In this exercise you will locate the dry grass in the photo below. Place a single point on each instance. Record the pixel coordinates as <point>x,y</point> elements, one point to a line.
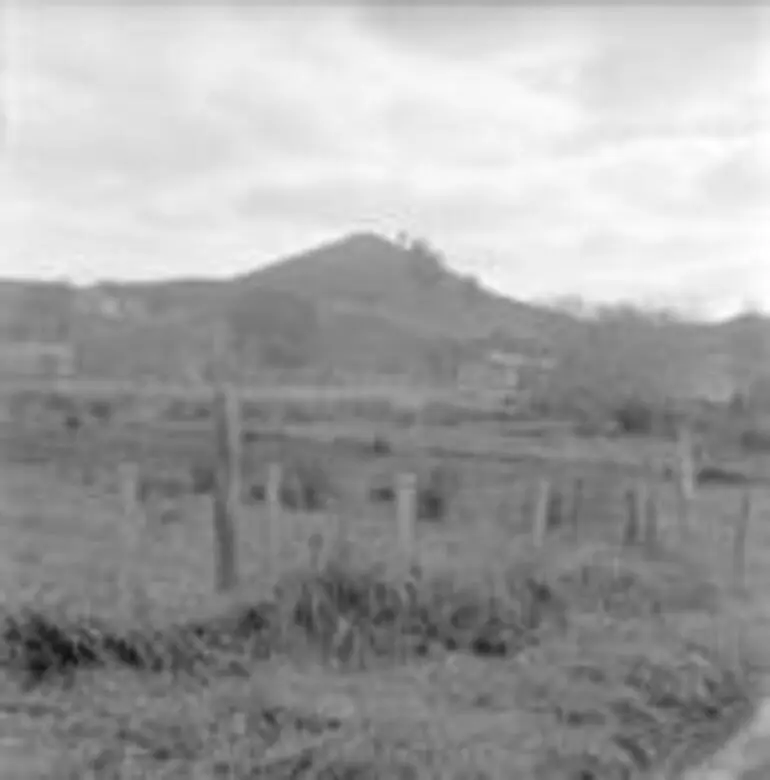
<point>490,659</point>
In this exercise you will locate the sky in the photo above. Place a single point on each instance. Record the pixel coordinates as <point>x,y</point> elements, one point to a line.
<point>609,153</point>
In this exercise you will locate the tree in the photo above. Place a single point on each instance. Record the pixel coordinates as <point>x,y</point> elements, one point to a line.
<point>427,264</point>
<point>45,312</point>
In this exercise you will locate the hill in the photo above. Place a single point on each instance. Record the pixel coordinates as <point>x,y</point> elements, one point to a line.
<point>365,305</point>
<point>358,305</point>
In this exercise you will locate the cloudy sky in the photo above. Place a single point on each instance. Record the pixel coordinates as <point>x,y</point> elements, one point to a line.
<point>607,153</point>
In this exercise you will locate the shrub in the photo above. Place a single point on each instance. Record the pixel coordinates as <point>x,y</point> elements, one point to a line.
<point>160,483</point>
<point>720,475</point>
<point>203,478</point>
<point>44,645</point>
<point>381,445</point>
<point>382,492</point>
<point>101,410</point>
<point>755,440</point>
<point>635,417</point>
<point>436,490</point>
<point>605,685</point>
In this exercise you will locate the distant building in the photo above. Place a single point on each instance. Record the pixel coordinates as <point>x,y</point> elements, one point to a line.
<point>36,360</point>
<point>508,372</point>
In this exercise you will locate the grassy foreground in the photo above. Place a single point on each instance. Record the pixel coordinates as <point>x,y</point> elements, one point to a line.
<point>495,661</point>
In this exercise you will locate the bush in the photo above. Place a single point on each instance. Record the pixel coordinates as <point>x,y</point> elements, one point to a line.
<point>382,492</point>
<point>381,445</point>
<point>635,417</point>
<point>203,478</point>
<point>101,411</point>
<point>359,614</point>
<point>755,440</point>
<point>437,488</point>
<point>604,682</point>
<point>44,645</point>
<point>720,475</point>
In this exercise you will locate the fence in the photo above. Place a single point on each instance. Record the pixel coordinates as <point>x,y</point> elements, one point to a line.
<point>549,506</point>
<point>550,502</point>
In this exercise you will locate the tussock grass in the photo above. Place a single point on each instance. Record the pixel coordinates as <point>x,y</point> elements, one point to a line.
<point>572,661</point>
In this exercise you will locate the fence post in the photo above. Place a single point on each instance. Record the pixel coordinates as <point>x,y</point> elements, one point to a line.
<point>577,504</point>
<point>273,527</point>
<point>632,526</point>
<point>406,508</point>
<point>685,480</point>
<point>540,519</point>
<point>133,530</point>
<point>740,535</point>
<point>129,489</point>
<point>651,516</point>
<point>227,491</point>
<point>686,470</point>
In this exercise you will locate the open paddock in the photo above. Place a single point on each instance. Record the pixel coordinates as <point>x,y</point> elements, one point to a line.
<point>69,550</point>
<point>557,615</point>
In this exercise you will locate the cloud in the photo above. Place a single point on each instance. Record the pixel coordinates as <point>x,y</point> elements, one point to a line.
<point>555,151</point>
<point>653,62</point>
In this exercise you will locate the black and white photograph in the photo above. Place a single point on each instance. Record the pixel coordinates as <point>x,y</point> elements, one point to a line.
<point>384,390</point>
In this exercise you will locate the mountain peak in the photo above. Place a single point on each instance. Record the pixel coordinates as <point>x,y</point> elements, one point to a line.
<point>359,266</point>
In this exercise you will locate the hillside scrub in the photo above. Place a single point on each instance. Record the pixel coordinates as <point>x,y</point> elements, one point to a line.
<point>600,655</point>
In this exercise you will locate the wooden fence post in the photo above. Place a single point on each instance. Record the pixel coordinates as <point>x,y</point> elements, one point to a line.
<point>633,523</point>
<point>685,480</point>
<point>406,508</point>
<point>686,465</point>
<point>273,527</point>
<point>133,532</point>
<point>540,519</point>
<point>577,504</point>
<point>227,491</point>
<point>740,535</point>
<point>651,516</point>
<point>129,489</point>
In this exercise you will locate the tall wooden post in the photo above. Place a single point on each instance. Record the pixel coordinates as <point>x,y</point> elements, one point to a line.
<point>686,465</point>
<point>227,492</point>
<point>273,527</point>
<point>685,480</point>
<point>133,534</point>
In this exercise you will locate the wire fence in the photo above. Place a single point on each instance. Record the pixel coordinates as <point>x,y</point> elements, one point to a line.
<point>538,490</point>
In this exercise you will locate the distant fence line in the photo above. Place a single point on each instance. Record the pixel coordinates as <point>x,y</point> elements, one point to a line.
<point>640,525</point>
<point>407,396</point>
<point>451,445</point>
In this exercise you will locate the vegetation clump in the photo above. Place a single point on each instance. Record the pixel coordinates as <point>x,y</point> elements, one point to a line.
<point>597,647</point>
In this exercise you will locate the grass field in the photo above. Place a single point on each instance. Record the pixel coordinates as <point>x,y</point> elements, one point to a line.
<point>491,659</point>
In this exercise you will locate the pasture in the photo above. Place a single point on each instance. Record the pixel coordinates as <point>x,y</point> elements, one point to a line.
<point>479,651</point>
